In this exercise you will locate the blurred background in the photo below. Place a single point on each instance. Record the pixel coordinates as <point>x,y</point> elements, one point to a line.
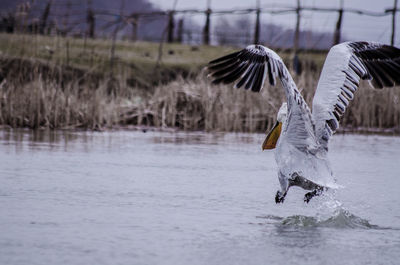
<point>210,22</point>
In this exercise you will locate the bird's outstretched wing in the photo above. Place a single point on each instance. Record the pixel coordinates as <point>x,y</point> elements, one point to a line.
<point>345,65</point>
<point>249,68</point>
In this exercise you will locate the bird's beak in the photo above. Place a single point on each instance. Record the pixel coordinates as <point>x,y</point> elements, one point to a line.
<point>272,137</point>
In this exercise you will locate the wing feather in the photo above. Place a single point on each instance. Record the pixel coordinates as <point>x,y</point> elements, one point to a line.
<point>345,65</point>
<point>225,58</point>
<point>243,80</point>
<point>250,68</point>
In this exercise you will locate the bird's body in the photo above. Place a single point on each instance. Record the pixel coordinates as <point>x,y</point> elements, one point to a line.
<point>300,136</point>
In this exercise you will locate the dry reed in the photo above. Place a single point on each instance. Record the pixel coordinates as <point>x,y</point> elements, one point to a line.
<point>42,93</point>
<point>186,104</point>
<point>45,99</point>
<point>197,105</point>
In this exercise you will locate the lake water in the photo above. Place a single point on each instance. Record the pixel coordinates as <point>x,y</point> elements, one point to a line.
<point>128,197</point>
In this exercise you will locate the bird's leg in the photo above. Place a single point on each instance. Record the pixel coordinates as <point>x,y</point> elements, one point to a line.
<point>316,190</point>
<point>280,195</point>
<point>309,195</point>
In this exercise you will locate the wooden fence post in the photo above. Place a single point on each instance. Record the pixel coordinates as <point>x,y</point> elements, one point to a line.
<point>206,31</point>
<point>135,22</point>
<point>297,32</point>
<point>90,19</point>
<point>180,31</point>
<point>112,50</point>
<point>296,65</point>
<point>114,37</point>
<point>45,16</point>
<point>393,22</point>
<point>65,29</point>
<point>337,33</point>
<point>257,26</point>
<point>170,37</point>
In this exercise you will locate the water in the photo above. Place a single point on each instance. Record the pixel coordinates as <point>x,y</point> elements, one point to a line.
<point>175,198</point>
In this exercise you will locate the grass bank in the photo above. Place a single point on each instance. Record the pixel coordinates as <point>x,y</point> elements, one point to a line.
<point>140,63</point>
<point>59,83</point>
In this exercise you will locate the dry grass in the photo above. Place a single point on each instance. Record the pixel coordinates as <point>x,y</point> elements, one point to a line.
<point>186,104</point>
<point>46,100</point>
<point>52,90</point>
<point>197,105</point>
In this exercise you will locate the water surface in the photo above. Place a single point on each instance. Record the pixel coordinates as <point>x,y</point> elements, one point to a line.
<point>128,197</point>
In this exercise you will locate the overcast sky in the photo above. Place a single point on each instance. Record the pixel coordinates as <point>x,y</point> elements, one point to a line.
<point>354,27</point>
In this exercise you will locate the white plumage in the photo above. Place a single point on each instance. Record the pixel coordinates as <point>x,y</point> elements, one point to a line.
<point>301,151</point>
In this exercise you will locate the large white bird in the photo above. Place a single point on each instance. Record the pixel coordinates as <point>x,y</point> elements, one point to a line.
<point>299,136</point>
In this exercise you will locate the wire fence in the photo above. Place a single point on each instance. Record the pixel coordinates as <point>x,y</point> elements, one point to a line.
<point>79,18</point>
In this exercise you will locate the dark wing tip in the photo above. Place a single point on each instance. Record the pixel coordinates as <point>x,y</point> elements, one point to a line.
<point>224,58</point>
<point>382,62</point>
<point>247,66</point>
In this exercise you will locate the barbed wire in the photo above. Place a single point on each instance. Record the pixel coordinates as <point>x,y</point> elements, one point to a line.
<point>66,10</point>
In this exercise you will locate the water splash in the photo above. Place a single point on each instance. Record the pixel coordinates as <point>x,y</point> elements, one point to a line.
<point>341,219</point>
<point>329,213</point>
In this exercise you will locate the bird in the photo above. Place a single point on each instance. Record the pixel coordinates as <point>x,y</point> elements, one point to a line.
<point>300,136</point>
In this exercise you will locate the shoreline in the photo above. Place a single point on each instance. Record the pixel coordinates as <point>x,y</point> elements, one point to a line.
<point>395,131</point>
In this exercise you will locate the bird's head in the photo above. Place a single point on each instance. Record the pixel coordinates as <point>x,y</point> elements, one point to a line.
<point>273,136</point>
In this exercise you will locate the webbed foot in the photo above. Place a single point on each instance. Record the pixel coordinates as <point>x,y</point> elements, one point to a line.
<point>309,195</point>
<point>279,197</point>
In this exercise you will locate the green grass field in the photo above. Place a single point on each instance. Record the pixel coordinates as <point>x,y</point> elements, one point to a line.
<point>138,60</point>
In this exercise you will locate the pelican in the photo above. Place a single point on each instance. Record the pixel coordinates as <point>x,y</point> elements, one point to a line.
<point>300,137</point>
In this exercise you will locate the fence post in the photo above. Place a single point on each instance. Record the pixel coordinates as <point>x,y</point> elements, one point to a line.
<point>393,22</point>
<point>337,33</point>
<point>113,44</point>
<point>180,31</point>
<point>206,31</point>
<point>296,65</point>
<point>170,37</point>
<point>135,22</point>
<point>114,37</point>
<point>90,20</point>
<point>65,29</point>
<point>297,32</point>
<point>45,16</point>
<point>257,26</point>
